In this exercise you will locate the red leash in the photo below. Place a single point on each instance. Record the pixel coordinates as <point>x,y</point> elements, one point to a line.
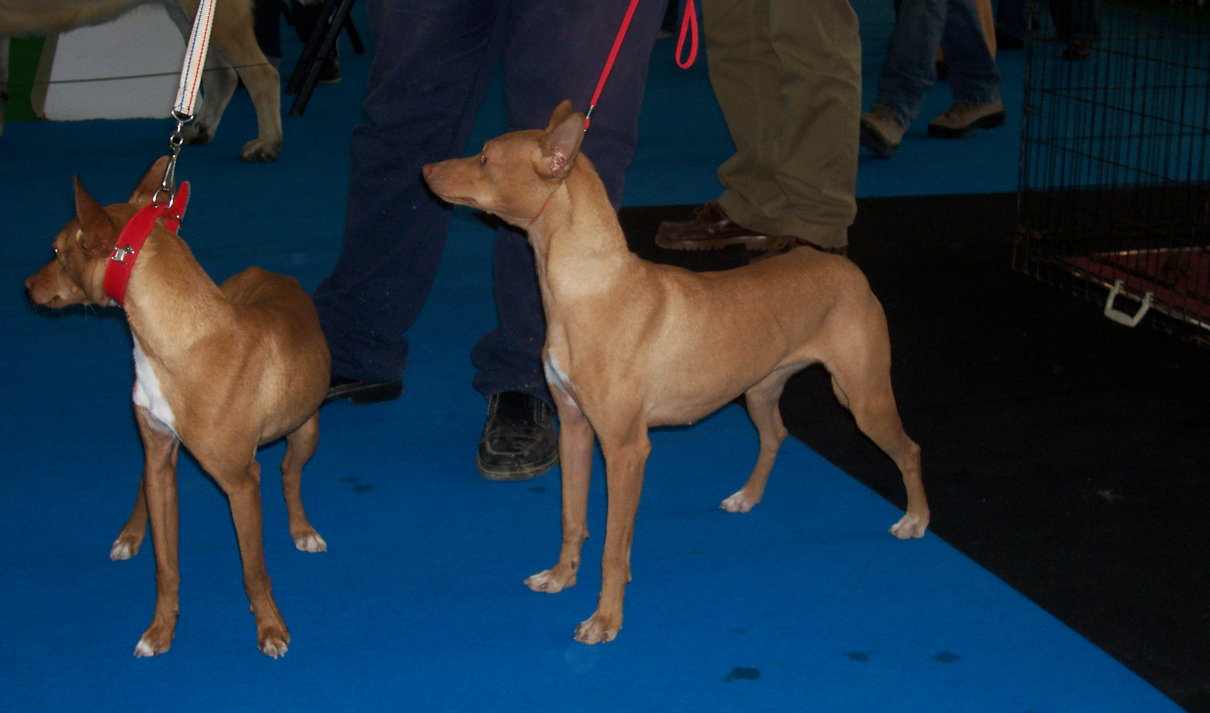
<point>135,234</point>
<point>688,27</point>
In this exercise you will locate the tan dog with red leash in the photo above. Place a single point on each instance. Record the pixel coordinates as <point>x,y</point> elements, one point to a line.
<point>220,369</point>
<point>631,344</point>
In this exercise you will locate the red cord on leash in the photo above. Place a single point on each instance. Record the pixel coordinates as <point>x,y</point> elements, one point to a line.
<point>688,27</point>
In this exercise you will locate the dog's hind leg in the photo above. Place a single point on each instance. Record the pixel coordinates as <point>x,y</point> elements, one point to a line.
<point>241,483</point>
<point>862,381</point>
<point>160,449</point>
<point>131,536</point>
<point>762,401</point>
<point>300,445</point>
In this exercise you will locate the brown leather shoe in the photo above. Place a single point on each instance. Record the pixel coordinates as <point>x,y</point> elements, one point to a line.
<point>712,229</point>
<point>842,250</point>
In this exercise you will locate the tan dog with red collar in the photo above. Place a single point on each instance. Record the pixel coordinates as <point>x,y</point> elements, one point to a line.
<point>631,344</point>
<point>220,369</point>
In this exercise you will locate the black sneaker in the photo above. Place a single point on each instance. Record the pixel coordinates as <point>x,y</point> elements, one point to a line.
<point>363,392</point>
<point>519,439</point>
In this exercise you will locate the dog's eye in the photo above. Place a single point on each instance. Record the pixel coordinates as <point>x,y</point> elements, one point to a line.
<point>55,250</point>
<point>483,158</point>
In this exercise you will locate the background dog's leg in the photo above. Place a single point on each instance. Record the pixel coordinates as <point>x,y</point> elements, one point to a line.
<point>233,51</point>
<point>234,38</point>
<point>867,392</point>
<point>763,408</point>
<point>131,537</point>
<point>3,80</point>
<point>218,82</point>
<point>160,450</point>
<point>300,445</point>
<point>218,86</point>
<point>575,459</point>
<point>625,459</point>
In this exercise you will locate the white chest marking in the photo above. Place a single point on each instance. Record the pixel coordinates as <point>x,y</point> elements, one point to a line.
<point>555,375</point>
<point>147,391</point>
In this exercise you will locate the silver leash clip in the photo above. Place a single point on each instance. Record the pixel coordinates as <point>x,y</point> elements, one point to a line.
<point>166,193</point>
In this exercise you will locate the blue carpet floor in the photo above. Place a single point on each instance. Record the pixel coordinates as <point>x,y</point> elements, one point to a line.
<point>805,604</point>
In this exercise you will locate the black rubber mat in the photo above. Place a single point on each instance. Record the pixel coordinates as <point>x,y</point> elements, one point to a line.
<point>1062,452</point>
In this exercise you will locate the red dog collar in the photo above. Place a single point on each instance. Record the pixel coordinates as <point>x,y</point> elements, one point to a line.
<point>134,234</point>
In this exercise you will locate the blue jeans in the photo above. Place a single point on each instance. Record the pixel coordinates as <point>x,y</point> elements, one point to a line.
<point>432,63</point>
<point>921,27</point>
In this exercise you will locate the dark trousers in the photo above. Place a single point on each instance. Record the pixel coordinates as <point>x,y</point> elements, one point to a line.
<point>1073,19</point>
<point>433,60</point>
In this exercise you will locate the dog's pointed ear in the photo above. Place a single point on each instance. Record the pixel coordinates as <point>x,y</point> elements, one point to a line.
<point>559,114</point>
<point>149,184</point>
<point>561,142</point>
<point>96,229</point>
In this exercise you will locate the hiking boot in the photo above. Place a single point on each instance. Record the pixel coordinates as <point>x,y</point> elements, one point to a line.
<point>961,117</point>
<point>881,132</point>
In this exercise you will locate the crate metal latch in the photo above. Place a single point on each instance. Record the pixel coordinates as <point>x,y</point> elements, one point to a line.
<point>1121,317</point>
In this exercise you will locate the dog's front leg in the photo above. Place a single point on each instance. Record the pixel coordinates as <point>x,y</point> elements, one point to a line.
<point>160,449</point>
<point>575,458</point>
<point>236,42</point>
<point>625,460</point>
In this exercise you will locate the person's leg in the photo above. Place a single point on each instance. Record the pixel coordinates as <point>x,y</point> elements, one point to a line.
<point>974,76</point>
<point>554,50</point>
<point>907,72</point>
<point>1010,24</point>
<point>814,156</point>
<point>746,74</point>
<point>1077,22</point>
<point>428,75</point>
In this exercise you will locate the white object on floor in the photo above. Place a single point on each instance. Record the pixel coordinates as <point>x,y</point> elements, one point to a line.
<point>135,61</point>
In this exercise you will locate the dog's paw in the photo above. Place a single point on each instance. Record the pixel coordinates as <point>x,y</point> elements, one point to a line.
<point>598,629</point>
<point>739,501</point>
<point>310,542</point>
<point>197,133</point>
<point>553,580</point>
<point>273,641</point>
<point>155,641</point>
<point>125,547</point>
<point>910,527</point>
<point>260,151</point>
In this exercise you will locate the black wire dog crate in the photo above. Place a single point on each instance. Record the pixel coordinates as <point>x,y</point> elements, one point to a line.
<point>1114,185</point>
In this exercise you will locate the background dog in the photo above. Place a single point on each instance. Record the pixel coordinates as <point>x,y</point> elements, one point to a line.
<point>234,55</point>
